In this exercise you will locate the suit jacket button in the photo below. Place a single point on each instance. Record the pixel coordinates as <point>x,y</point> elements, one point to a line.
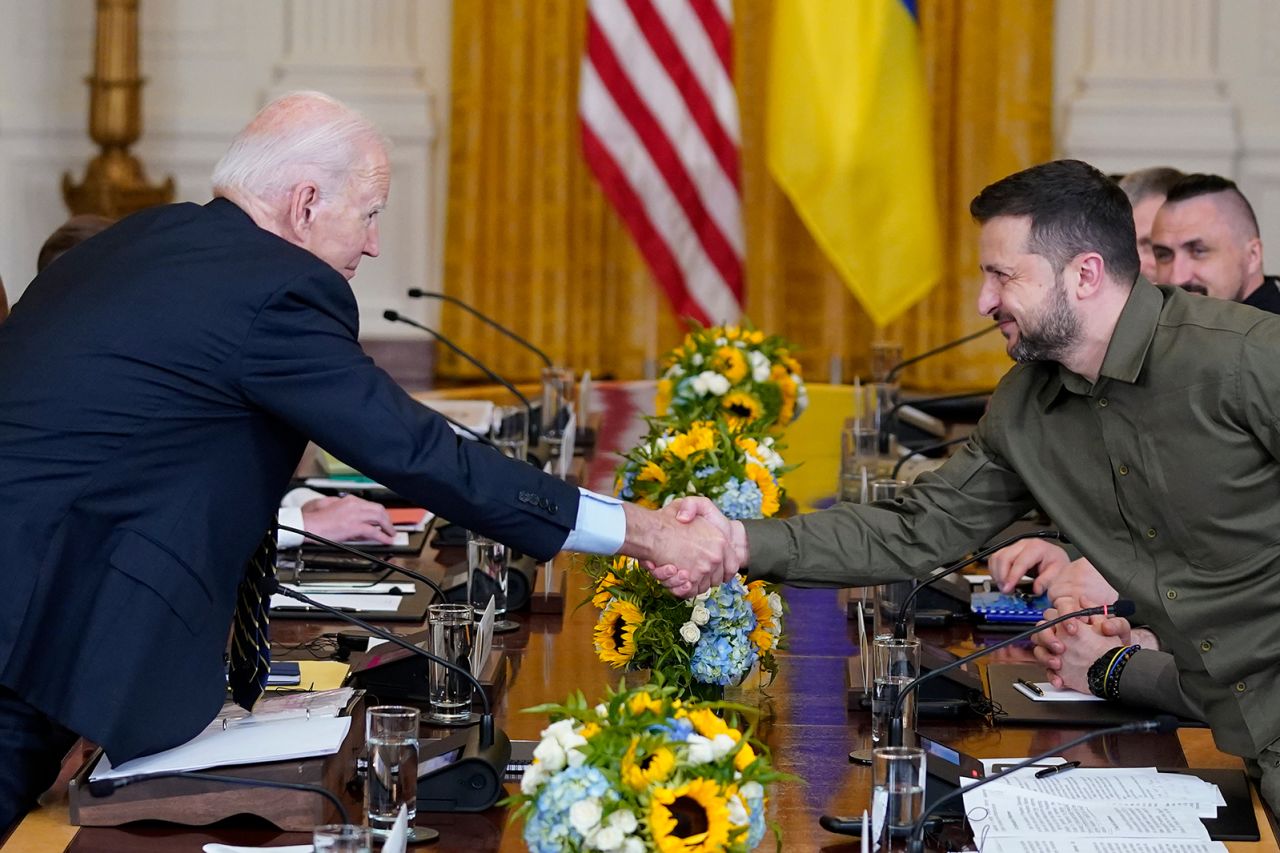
<point>553,508</point>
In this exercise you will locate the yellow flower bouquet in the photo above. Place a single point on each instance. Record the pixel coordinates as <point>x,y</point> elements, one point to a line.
<point>741,471</point>
<point>699,646</point>
<point>644,771</point>
<point>741,374</point>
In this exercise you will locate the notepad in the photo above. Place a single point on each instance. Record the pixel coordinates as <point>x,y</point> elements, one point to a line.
<point>1056,694</point>
<point>342,601</point>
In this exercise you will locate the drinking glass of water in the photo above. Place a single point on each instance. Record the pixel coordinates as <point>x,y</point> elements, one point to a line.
<point>897,795</point>
<point>509,430</point>
<point>391,743</point>
<point>884,694</point>
<point>341,838</point>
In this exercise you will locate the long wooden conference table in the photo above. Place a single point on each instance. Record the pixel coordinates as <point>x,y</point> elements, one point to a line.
<point>803,719</point>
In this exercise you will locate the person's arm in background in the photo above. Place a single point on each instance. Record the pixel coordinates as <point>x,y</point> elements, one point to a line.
<point>342,519</point>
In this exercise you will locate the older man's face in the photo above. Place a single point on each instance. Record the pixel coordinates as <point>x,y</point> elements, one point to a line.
<point>1201,249</point>
<point>1144,216</point>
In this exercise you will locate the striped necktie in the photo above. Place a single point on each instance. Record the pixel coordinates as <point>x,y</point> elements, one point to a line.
<point>250,640</point>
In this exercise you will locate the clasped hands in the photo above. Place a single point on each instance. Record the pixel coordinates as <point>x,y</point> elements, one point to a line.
<point>689,545</point>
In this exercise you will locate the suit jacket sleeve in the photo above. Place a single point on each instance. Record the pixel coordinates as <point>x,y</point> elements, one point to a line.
<point>1150,679</point>
<point>301,362</point>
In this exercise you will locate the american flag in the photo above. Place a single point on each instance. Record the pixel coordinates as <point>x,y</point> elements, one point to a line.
<point>660,131</point>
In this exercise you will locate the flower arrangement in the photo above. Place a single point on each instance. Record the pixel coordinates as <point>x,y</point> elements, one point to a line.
<point>643,771</point>
<point>742,374</point>
<point>699,646</point>
<point>739,470</point>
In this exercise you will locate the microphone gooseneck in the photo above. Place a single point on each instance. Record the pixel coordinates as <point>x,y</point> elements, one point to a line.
<point>377,561</point>
<point>105,787</point>
<point>895,721</point>
<point>900,624</point>
<point>897,368</point>
<point>397,317</point>
<point>419,293</point>
<point>1162,724</point>
<point>486,719</point>
<point>921,451</point>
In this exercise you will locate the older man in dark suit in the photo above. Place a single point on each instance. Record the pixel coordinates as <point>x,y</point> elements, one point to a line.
<point>157,386</point>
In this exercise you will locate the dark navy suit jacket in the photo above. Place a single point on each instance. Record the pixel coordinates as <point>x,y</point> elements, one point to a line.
<point>157,387</point>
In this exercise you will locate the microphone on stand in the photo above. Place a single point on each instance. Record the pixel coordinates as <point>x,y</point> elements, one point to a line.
<point>418,293</point>
<point>1162,724</point>
<point>900,624</point>
<point>105,787</point>
<point>892,373</point>
<point>397,317</point>
<point>486,718</point>
<point>1123,608</point>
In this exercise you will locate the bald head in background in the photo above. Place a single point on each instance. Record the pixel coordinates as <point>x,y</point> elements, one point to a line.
<point>1146,189</point>
<point>1205,239</point>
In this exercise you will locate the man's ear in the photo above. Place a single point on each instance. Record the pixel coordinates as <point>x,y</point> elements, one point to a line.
<point>1090,269</point>
<point>1253,255</point>
<point>303,200</point>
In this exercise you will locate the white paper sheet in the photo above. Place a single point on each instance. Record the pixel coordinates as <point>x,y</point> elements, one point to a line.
<point>354,603</point>
<point>1056,694</point>
<point>483,639</point>
<point>1088,845</point>
<point>215,747</point>
<point>999,811</point>
<point>352,588</point>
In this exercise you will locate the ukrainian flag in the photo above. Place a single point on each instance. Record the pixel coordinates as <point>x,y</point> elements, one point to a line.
<point>848,137</point>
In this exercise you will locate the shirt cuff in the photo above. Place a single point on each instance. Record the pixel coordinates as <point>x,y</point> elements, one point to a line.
<point>298,497</point>
<point>601,526</point>
<point>292,516</point>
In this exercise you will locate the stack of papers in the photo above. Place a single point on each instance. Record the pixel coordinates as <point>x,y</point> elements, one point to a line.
<point>1089,810</point>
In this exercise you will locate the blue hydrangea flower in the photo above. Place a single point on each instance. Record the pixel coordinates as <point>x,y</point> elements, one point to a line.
<point>725,653</point>
<point>705,471</point>
<point>740,499</point>
<point>755,809</point>
<point>628,478</point>
<point>677,730</point>
<point>548,829</point>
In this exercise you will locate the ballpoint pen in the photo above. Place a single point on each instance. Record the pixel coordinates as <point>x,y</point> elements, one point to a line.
<point>1057,768</point>
<point>1034,688</point>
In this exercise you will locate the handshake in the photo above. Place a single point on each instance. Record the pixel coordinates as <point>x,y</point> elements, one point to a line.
<point>688,545</point>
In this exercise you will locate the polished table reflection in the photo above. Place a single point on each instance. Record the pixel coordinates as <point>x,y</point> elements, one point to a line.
<point>803,718</point>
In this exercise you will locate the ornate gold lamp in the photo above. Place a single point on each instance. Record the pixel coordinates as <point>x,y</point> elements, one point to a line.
<point>115,184</point>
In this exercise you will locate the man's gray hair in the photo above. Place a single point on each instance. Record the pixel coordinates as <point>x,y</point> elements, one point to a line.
<point>299,136</point>
<point>1145,183</point>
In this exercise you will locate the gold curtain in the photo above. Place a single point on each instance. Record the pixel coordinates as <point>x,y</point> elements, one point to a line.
<point>531,239</point>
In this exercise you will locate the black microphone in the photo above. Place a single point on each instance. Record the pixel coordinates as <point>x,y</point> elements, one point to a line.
<point>900,624</point>
<point>1122,608</point>
<point>892,373</point>
<point>105,787</point>
<point>486,718</point>
<point>1162,724</point>
<point>397,317</point>
<point>418,293</point>
<point>364,555</point>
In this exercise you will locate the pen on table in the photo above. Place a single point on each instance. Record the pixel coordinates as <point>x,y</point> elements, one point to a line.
<point>1034,688</point>
<point>276,716</point>
<point>1057,768</point>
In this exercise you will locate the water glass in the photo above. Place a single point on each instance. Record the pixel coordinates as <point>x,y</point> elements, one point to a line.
<point>885,488</point>
<point>885,690</point>
<point>341,838</point>
<point>557,403</point>
<point>509,430</point>
<point>889,602</point>
<point>391,743</point>
<point>449,692</point>
<point>897,795</point>
<point>486,575</point>
<point>897,657</point>
<point>885,356</point>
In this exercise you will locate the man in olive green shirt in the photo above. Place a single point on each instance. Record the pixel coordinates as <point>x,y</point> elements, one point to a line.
<point>1143,420</point>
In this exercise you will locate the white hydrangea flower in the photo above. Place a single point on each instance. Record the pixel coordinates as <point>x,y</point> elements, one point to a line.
<point>575,757</point>
<point>759,365</point>
<point>721,341</point>
<point>668,499</point>
<point>722,745</point>
<point>608,838</point>
<point>633,845</point>
<point>752,791</point>
<point>719,384</point>
<point>738,811</point>
<point>532,778</point>
<point>551,754</point>
<point>602,710</point>
<point>696,359</point>
<point>700,751</point>
<point>625,820</point>
<point>584,815</point>
<point>689,632</point>
<point>701,615</point>
<point>675,371</point>
<point>775,603</point>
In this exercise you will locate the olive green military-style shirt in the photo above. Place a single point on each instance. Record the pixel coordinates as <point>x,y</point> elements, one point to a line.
<point>1163,473</point>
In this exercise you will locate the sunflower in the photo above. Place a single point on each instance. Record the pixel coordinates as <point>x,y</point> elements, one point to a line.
<point>741,408</point>
<point>652,472</point>
<point>615,633</point>
<point>770,498</point>
<point>731,362</point>
<point>696,440</point>
<point>693,818</point>
<point>709,724</point>
<point>639,771</point>
<point>642,701</point>
<point>743,759</point>
<point>603,590</point>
